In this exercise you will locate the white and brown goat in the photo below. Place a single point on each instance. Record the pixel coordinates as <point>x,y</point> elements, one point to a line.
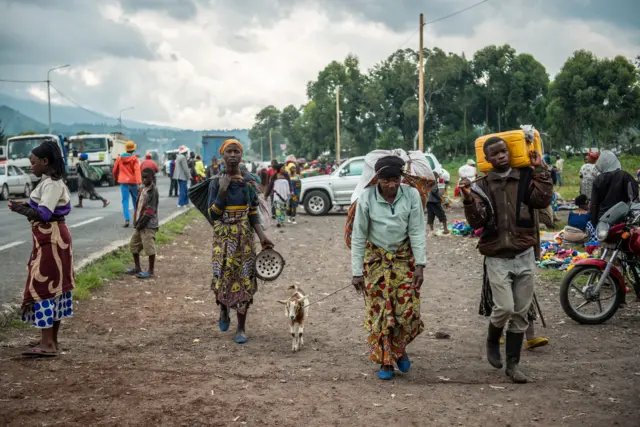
<point>296,308</point>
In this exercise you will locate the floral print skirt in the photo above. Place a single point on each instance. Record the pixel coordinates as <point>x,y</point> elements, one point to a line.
<point>392,303</point>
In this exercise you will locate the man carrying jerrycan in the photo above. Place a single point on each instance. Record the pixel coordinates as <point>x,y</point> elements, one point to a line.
<point>502,204</point>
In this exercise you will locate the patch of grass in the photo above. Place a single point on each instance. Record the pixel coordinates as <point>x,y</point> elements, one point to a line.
<point>114,265</point>
<point>551,275</point>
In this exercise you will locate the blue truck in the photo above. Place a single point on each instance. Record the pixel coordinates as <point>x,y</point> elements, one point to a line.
<point>211,147</point>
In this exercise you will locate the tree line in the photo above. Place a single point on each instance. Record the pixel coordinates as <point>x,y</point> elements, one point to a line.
<point>592,102</point>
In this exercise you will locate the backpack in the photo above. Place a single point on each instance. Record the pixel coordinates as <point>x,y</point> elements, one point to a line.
<point>423,185</point>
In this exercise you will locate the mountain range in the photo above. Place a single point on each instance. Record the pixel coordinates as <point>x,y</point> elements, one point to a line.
<point>20,115</point>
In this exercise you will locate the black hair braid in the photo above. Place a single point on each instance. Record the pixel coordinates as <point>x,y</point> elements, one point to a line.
<point>51,151</point>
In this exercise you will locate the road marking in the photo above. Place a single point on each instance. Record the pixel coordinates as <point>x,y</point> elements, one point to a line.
<point>10,245</point>
<point>89,221</point>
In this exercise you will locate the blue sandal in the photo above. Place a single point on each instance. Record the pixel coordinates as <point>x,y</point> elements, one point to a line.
<point>404,364</point>
<point>239,339</point>
<point>224,324</point>
<point>144,275</point>
<point>385,375</point>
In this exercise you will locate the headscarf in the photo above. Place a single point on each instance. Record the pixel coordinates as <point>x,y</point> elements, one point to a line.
<point>290,159</point>
<point>608,162</point>
<point>50,150</point>
<point>83,156</point>
<point>389,167</point>
<point>471,162</point>
<point>229,142</point>
<point>292,168</point>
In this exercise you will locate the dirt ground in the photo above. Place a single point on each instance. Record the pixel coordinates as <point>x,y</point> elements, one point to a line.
<point>149,353</point>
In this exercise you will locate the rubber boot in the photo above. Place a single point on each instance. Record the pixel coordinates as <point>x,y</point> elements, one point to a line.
<point>493,346</point>
<point>513,347</point>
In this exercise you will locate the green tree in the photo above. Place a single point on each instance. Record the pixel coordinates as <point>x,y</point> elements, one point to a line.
<point>267,121</point>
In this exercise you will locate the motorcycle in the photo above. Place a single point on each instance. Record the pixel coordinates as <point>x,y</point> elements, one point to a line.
<point>599,283</point>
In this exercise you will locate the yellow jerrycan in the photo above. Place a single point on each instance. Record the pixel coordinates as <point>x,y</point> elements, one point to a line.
<point>519,142</point>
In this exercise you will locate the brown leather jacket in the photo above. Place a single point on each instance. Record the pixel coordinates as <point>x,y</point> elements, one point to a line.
<point>505,208</point>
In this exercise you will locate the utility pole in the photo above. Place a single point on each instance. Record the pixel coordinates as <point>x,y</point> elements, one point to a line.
<point>421,91</point>
<point>338,125</point>
<point>261,150</point>
<point>270,145</point>
<point>49,91</point>
<point>120,117</point>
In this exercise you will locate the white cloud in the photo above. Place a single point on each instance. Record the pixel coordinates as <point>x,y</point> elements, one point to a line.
<point>212,72</point>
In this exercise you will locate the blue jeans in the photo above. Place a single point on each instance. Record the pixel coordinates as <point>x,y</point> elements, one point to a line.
<point>183,197</point>
<point>128,190</point>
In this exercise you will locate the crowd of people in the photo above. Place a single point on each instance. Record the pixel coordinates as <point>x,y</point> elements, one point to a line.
<point>388,241</point>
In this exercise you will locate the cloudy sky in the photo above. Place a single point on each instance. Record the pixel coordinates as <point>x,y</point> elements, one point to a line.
<point>215,63</point>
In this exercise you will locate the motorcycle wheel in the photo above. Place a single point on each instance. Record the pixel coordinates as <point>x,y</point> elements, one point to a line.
<point>571,285</point>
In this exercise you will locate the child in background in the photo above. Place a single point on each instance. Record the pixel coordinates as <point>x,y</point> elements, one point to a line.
<point>145,221</point>
<point>434,208</point>
<point>280,194</point>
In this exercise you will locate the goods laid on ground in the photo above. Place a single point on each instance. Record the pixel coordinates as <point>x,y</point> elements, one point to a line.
<point>519,142</point>
<point>554,256</point>
<point>461,227</point>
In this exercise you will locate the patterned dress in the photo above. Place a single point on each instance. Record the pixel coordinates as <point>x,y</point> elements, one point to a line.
<point>234,253</point>
<point>296,189</point>
<point>392,304</point>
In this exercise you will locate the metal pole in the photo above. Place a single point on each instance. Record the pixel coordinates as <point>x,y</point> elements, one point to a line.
<point>421,90</point>
<point>49,91</point>
<point>338,125</point>
<point>261,150</point>
<point>120,117</point>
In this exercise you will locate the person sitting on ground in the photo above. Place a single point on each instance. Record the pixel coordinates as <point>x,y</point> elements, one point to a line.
<point>148,163</point>
<point>434,208</point>
<point>145,222</point>
<point>503,204</point>
<point>579,228</point>
<point>388,256</point>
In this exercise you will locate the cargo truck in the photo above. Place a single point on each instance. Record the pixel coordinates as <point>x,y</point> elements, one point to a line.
<point>102,151</point>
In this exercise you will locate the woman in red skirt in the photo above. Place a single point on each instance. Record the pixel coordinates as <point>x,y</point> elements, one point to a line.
<point>48,291</point>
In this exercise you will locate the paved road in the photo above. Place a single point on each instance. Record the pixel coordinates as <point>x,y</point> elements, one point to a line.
<point>92,229</point>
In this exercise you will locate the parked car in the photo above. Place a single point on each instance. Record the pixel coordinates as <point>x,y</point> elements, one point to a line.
<point>436,167</point>
<point>13,181</point>
<point>323,192</point>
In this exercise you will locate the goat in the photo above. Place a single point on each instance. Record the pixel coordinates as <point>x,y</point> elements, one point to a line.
<point>296,308</point>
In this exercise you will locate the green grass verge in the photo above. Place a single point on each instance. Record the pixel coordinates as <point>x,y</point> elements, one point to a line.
<point>113,265</point>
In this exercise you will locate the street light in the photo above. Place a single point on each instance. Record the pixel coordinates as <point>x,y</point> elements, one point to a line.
<point>120,117</point>
<point>49,90</point>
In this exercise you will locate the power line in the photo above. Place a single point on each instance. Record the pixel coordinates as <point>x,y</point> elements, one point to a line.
<point>102,116</point>
<point>455,13</point>
<point>22,81</point>
<point>442,18</point>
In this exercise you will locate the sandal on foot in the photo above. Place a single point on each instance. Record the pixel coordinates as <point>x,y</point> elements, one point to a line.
<point>224,324</point>
<point>106,203</point>
<point>131,271</point>
<point>126,224</point>
<point>239,339</point>
<point>144,275</point>
<point>404,364</point>
<point>385,375</point>
<point>38,352</point>
<point>536,342</point>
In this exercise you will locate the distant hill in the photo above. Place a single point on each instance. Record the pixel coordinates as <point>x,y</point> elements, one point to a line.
<point>15,122</point>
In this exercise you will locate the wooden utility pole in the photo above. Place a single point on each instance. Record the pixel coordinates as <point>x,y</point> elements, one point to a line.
<point>421,91</point>
<point>338,125</point>
<point>270,146</point>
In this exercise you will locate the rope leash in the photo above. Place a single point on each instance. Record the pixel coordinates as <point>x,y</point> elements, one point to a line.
<point>331,294</point>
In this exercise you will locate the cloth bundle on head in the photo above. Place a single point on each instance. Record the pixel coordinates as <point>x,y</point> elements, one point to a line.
<point>471,162</point>
<point>84,156</point>
<point>229,142</point>
<point>594,156</point>
<point>290,159</point>
<point>130,146</point>
<point>389,167</point>
<point>608,162</point>
<point>50,150</point>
